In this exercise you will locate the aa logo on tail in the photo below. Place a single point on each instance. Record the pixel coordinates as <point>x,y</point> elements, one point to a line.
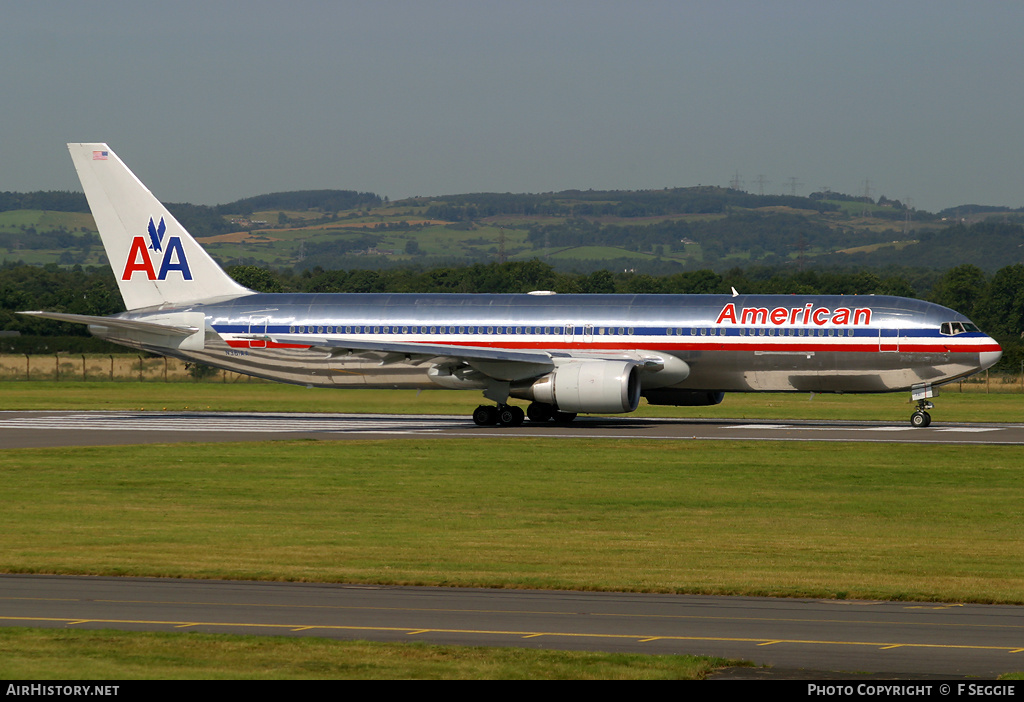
<point>173,255</point>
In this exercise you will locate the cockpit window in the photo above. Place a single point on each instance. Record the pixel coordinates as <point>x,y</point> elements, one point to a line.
<point>954,328</point>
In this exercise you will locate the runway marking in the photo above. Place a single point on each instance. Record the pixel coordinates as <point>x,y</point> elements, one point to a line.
<point>761,426</point>
<point>801,428</point>
<point>639,638</point>
<point>798,427</point>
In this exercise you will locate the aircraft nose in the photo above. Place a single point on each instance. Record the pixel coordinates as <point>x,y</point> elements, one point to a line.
<point>987,359</point>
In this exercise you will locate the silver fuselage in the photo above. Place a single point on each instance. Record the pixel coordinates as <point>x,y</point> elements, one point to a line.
<point>746,343</point>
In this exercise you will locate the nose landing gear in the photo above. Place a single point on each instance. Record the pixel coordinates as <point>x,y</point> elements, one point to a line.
<point>920,418</point>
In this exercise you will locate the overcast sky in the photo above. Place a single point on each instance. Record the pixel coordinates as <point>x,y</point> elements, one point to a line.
<point>214,100</point>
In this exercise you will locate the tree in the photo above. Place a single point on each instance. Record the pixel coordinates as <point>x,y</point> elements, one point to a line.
<point>256,278</point>
<point>961,288</point>
<point>599,282</point>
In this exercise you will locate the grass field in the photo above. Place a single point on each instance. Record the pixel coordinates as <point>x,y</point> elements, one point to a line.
<point>898,522</point>
<point>41,654</point>
<point>16,220</point>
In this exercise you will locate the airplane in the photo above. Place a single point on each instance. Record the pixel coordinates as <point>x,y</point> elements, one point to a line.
<point>564,354</point>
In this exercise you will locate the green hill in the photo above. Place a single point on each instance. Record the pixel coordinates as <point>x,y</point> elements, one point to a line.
<point>657,232</point>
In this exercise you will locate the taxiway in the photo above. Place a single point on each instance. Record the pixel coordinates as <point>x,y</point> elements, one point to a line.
<point>897,638</point>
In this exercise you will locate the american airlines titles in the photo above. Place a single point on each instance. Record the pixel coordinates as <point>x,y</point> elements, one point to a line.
<point>808,314</point>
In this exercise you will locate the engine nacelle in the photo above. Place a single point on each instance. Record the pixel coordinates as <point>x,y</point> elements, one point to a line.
<point>587,386</point>
<point>683,398</point>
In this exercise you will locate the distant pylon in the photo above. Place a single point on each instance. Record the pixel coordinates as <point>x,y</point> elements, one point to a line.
<point>867,198</point>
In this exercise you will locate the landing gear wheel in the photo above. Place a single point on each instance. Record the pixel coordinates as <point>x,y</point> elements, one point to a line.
<point>920,418</point>
<point>485,416</point>
<point>511,416</point>
<point>563,417</point>
<point>539,412</point>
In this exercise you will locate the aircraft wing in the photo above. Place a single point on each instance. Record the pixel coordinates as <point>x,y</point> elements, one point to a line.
<point>495,362</point>
<point>501,363</point>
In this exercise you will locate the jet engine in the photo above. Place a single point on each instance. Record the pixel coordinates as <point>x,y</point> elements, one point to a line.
<point>587,386</point>
<point>683,398</point>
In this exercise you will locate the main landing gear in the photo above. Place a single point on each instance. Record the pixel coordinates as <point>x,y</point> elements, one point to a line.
<point>506,415</point>
<point>512,416</point>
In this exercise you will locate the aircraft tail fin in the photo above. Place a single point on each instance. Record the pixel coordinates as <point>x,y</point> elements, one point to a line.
<point>155,260</point>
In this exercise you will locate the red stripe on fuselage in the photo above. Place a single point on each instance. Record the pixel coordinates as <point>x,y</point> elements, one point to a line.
<point>704,344</point>
<point>247,343</point>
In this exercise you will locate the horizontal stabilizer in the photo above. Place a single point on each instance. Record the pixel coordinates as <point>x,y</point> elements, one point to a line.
<point>179,330</point>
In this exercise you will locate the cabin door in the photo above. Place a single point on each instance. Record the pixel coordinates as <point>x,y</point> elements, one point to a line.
<point>889,340</point>
<point>258,327</point>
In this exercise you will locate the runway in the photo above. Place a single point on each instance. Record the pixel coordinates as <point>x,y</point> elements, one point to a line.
<point>820,635</point>
<point>54,428</point>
